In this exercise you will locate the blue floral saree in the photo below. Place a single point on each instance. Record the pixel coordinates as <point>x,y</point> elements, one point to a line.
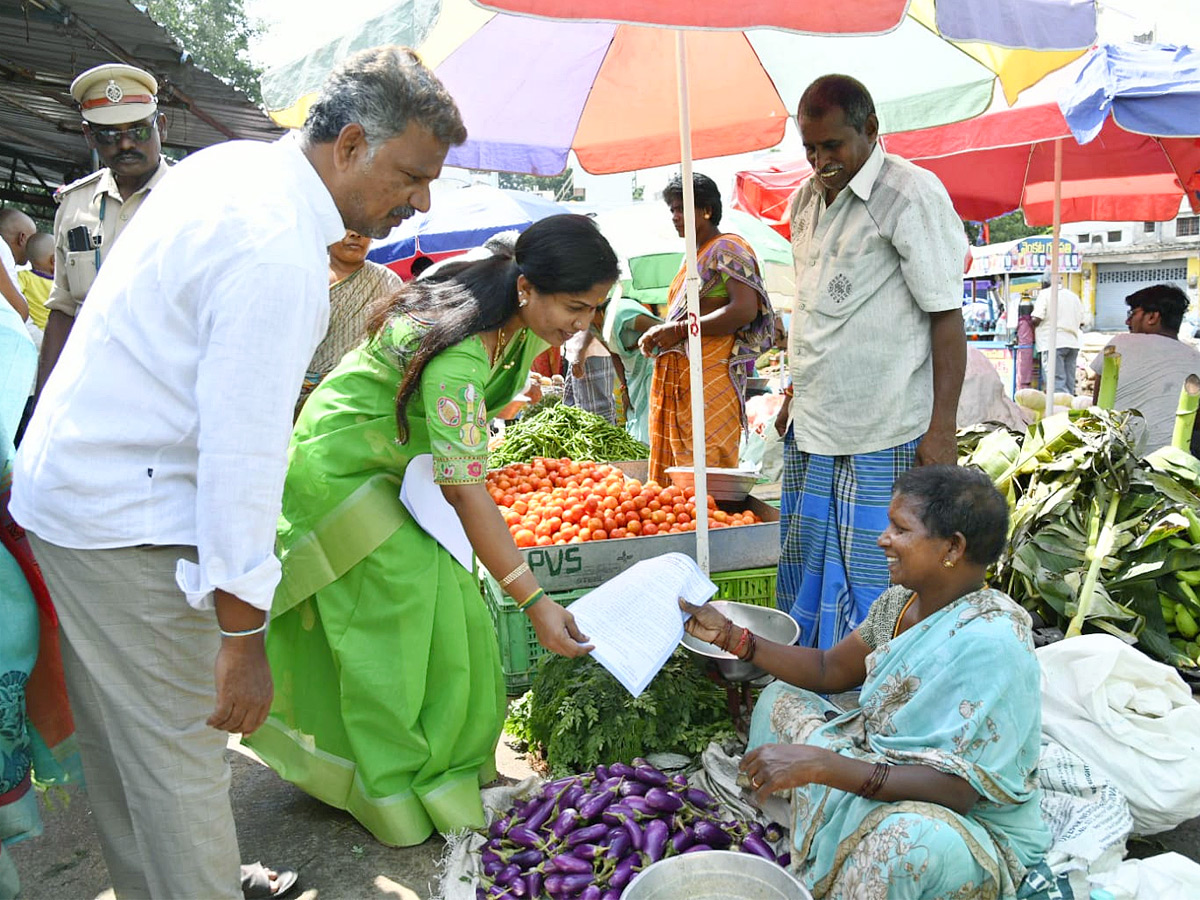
<point>960,693</point>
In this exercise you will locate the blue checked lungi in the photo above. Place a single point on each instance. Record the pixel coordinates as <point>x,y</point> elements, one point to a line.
<point>832,511</point>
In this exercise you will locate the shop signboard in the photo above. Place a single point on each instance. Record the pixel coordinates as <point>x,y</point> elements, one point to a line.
<point>1025,256</point>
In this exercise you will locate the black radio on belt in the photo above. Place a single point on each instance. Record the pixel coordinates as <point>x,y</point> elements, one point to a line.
<point>79,238</point>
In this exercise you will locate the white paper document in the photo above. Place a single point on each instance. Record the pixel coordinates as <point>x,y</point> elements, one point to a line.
<point>634,620</point>
<point>423,498</point>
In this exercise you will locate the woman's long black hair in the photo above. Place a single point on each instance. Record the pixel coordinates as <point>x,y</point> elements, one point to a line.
<point>559,254</point>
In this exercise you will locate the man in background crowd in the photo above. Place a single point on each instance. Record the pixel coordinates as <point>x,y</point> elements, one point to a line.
<point>1154,363</point>
<point>1072,321</point>
<point>16,228</point>
<point>121,122</point>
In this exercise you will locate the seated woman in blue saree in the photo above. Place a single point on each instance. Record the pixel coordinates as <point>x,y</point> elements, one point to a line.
<point>929,789</point>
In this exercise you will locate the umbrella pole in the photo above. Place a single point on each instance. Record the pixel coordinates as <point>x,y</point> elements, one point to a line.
<point>692,286</point>
<point>1052,306</point>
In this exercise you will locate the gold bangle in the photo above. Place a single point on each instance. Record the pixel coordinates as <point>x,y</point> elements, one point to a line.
<point>514,574</point>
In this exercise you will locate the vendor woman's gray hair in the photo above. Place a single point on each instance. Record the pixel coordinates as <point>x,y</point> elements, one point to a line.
<point>383,89</point>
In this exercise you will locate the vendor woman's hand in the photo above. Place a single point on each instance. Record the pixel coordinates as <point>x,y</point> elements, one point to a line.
<point>781,767</point>
<point>704,622</point>
<point>661,337</point>
<point>556,629</point>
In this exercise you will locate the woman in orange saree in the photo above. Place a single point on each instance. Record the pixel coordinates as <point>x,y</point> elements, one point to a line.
<point>736,324</point>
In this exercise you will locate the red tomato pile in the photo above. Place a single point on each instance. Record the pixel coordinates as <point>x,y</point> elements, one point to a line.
<point>561,501</point>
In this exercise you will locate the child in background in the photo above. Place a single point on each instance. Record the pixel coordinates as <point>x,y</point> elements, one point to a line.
<point>36,281</point>
<point>593,377</point>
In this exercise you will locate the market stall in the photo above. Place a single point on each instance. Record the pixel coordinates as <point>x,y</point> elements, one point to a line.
<point>998,277</point>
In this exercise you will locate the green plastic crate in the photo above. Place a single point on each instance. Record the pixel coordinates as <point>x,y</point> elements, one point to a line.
<point>519,647</point>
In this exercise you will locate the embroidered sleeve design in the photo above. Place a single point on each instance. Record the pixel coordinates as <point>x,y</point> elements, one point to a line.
<point>459,433</point>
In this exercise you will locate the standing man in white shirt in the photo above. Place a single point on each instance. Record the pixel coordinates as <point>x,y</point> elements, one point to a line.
<point>1072,322</point>
<point>151,474</point>
<point>876,353</point>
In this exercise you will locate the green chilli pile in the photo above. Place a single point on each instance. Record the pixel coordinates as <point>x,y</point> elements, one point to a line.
<point>1098,537</point>
<point>566,431</point>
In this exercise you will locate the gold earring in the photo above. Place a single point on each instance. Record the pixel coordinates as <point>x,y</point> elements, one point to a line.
<point>947,564</point>
<point>708,215</point>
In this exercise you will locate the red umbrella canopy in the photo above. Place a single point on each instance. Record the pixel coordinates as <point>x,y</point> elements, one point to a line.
<point>767,193</point>
<point>866,17</point>
<point>997,163</point>
<point>1004,160</point>
<point>1032,24</point>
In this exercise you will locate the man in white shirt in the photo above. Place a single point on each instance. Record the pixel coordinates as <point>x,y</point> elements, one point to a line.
<point>1072,322</point>
<point>876,355</point>
<point>16,228</point>
<point>1154,363</point>
<point>151,473</point>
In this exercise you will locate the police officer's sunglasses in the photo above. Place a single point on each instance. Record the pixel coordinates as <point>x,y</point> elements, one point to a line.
<point>139,133</point>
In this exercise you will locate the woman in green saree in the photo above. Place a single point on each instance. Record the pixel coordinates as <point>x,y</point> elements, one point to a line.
<point>928,790</point>
<point>389,698</point>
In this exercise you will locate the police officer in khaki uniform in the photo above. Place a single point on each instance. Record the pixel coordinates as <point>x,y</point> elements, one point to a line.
<point>122,124</point>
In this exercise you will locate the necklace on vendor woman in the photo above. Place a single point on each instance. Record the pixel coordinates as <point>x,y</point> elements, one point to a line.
<point>900,618</point>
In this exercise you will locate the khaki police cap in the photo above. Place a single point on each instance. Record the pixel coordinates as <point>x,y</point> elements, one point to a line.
<point>115,94</point>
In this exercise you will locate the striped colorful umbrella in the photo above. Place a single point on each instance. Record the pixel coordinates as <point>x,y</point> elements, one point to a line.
<point>620,95</point>
<point>533,89</point>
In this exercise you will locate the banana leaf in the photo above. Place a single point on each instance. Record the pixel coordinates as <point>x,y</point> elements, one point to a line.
<point>1058,478</point>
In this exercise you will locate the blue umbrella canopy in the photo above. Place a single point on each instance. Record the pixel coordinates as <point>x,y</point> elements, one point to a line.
<point>460,219</point>
<point>1148,89</point>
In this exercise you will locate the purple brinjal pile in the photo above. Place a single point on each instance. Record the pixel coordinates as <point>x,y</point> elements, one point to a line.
<point>585,837</point>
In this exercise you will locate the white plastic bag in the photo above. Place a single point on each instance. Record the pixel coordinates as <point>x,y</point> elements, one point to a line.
<point>1086,813</point>
<point>1132,718</point>
<point>1168,876</point>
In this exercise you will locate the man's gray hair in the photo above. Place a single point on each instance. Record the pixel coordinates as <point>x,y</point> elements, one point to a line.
<point>383,89</point>
<point>847,94</point>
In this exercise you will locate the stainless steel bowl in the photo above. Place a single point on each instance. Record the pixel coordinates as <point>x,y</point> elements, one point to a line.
<point>765,621</point>
<point>715,875</point>
<point>724,484</point>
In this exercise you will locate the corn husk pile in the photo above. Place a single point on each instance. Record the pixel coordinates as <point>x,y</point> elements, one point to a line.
<point>1099,539</point>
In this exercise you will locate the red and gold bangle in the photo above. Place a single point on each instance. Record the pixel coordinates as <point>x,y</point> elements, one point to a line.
<point>751,648</point>
<point>737,651</point>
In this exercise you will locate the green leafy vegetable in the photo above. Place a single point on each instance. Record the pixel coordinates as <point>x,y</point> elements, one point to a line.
<point>578,715</point>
